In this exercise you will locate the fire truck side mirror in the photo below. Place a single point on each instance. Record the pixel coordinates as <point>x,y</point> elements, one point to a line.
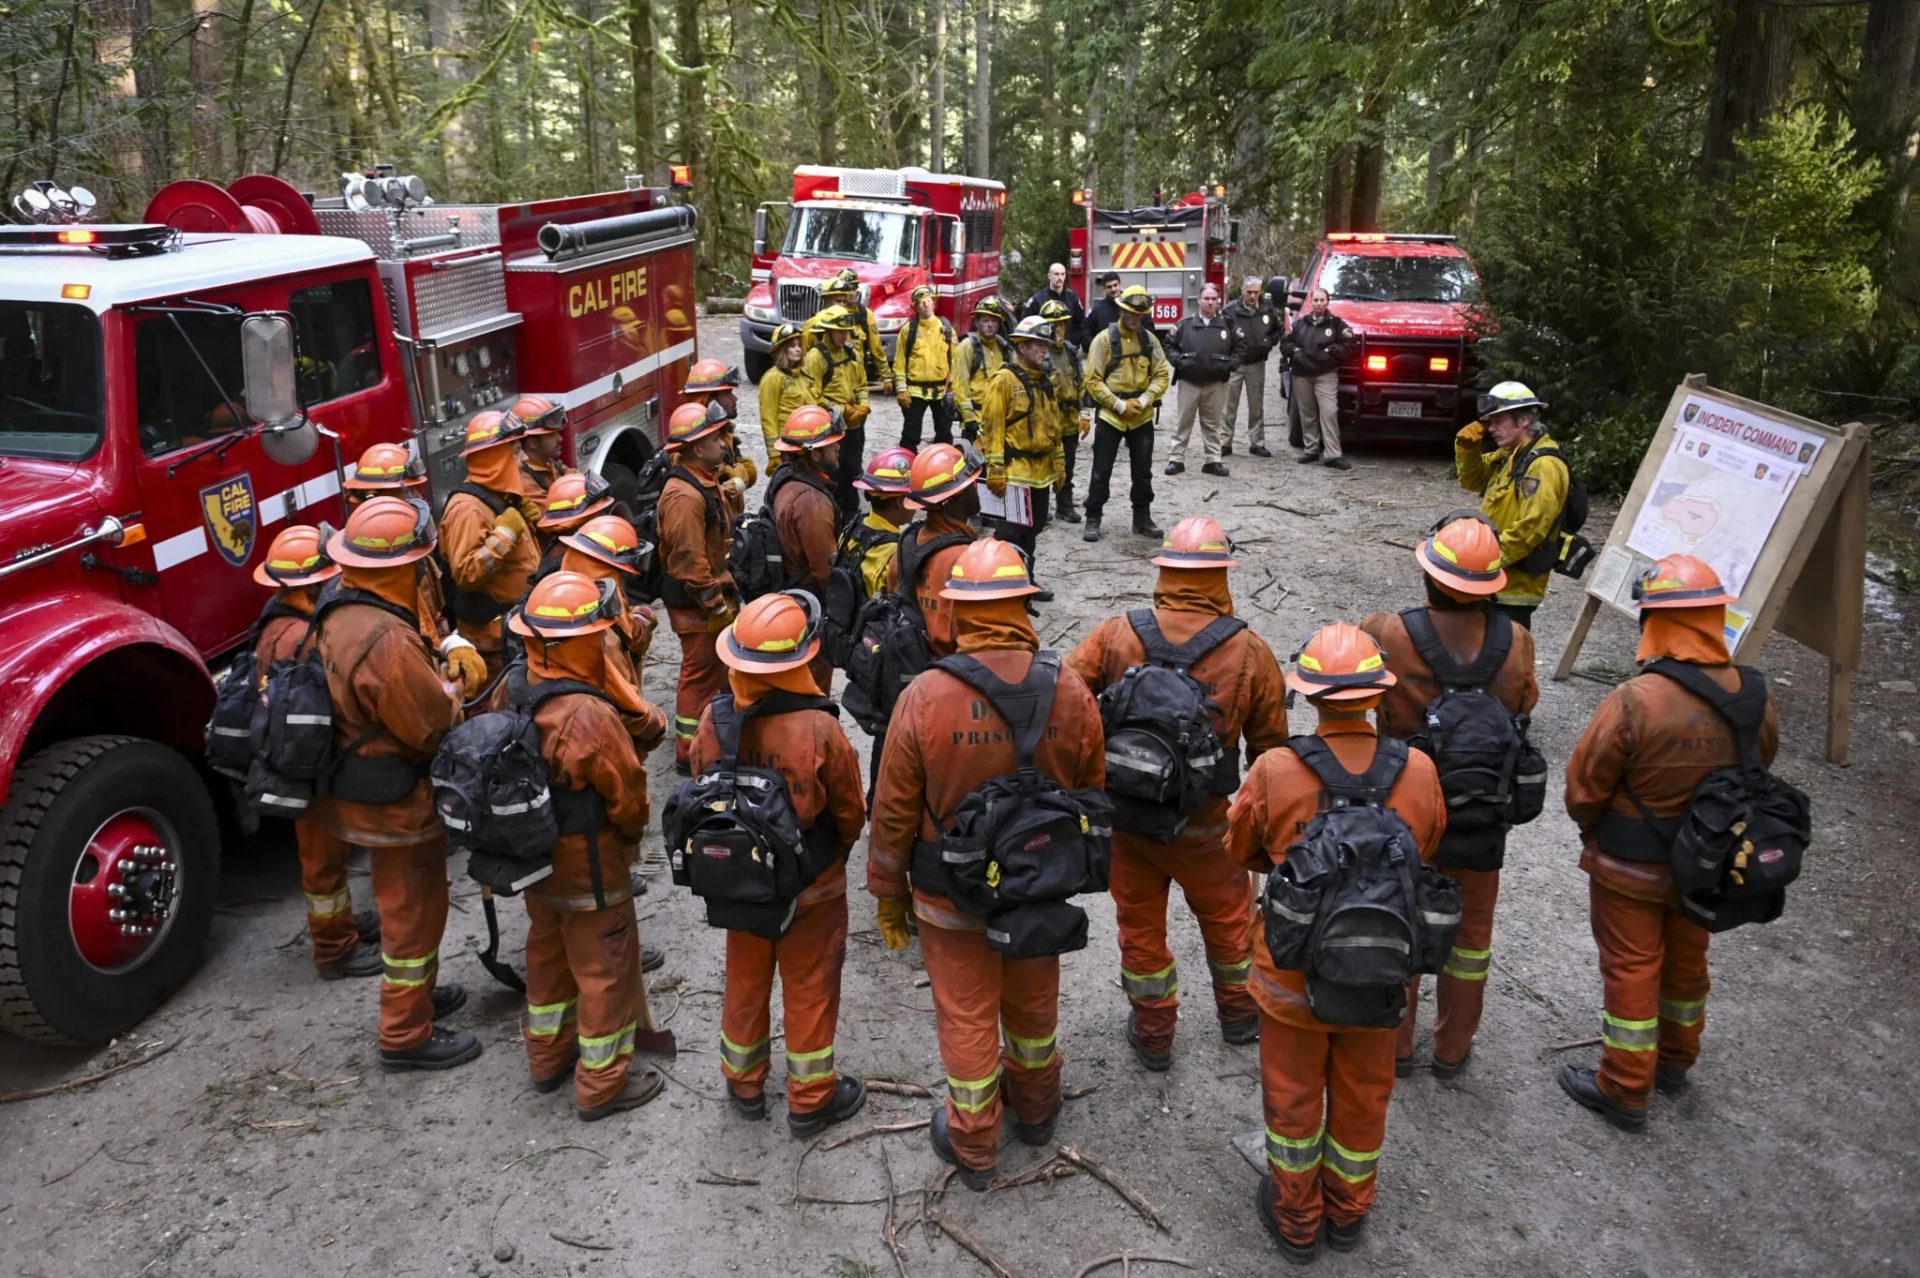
<point>759,232</point>
<point>956,238</point>
<point>266,358</point>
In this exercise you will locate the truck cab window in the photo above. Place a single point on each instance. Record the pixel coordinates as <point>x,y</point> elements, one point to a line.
<point>49,380</point>
<point>178,404</point>
<point>339,348</point>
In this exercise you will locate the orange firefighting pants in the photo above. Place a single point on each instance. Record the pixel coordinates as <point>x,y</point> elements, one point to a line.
<point>323,877</point>
<point>1461,988</point>
<point>977,993</point>
<point>1325,1094</point>
<point>702,678</point>
<point>410,884</point>
<point>809,959</point>
<point>1653,961</point>
<point>1219,893</point>
<point>585,998</point>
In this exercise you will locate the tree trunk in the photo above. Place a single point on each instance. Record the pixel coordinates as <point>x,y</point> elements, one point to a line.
<point>203,76</point>
<point>1883,99</point>
<point>443,39</point>
<point>1050,129</point>
<point>983,87</point>
<point>825,104</point>
<point>640,35</point>
<point>1128,191</point>
<point>693,123</point>
<point>236,91</point>
<point>1339,191</point>
<point>937,93</point>
<point>1369,165</point>
<point>1752,61</point>
<point>1090,171</point>
<point>113,48</point>
<point>1439,160</point>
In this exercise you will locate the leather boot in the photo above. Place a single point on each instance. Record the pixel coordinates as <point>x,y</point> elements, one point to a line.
<point>448,997</point>
<point>642,1086</point>
<point>1583,1085</point>
<point>1265,1196</point>
<point>1040,1133</point>
<point>1067,513</point>
<point>362,960</point>
<point>943,1146</point>
<point>1092,531</point>
<point>849,1098</point>
<point>1144,526</point>
<point>443,1049</point>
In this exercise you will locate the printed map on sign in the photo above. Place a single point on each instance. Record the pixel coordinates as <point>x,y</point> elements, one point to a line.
<point>1716,498</point>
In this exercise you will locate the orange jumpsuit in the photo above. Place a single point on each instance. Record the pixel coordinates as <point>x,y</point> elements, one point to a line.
<point>1462,984</point>
<point>934,571</point>
<point>810,749</point>
<point>809,524</point>
<point>1243,679</point>
<point>382,677</point>
<point>536,477</point>
<point>701,598</point>
<point>323,858</point>
<point>481,557</point>
<point>585,994</point>
<point>937,752</point>
<point>1662,740</point>
<point>1325,1087</point>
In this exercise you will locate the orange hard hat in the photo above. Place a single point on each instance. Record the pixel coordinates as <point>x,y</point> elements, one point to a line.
<point>384,532</point>
<point>692,421</point>
<point>710,376</point>
<point>808,427</point>
<point>989,569</point>
<point>1463,553</point>
<point>941,470</point>
<point>1341,662</point>
<point>887,474</point>
<point>1680,581</point>
<point>1196,542</point>
<point>563,605</point>
<point>775,632</point>
<point>611,540</point>
<point>540,415</point>
<point>385,467</point>
<point>490,430</point>
<point>574,497</point>
<point>297,557</point>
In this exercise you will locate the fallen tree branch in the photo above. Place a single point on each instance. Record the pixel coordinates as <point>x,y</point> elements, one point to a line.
<point>1578,1042</point>
<point>34,1093</point>
<point>888,1087</point>
<point>883,1129</point>
<point>713,1177</point>
<point>577,1242</point>
<point>980,1250</point>
<point>1124,1258</point>
<point>554,1149</point>
<point>888,1234</point>
<point>1119,1185</point>
<point>1053,1169</point>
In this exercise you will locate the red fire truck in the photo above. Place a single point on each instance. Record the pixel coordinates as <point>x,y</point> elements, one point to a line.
<point>897,228</point>
<point>171,393</point>
<point>1172,250</point>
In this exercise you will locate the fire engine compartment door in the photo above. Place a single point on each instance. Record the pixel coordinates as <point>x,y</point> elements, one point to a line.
<point>1163,250</point>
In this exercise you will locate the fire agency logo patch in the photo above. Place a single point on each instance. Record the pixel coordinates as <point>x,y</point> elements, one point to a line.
<point>229,510</point>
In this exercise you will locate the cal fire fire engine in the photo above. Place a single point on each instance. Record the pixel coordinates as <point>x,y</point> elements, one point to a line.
<point>170,391</point>
<point>1173,250</point>
<point>897,228</point>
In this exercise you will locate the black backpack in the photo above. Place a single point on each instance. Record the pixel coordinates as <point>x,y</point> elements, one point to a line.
<point>1353,906</point>
<point>1564,550</point>
<point>847,589</point>
<point>756,559</point>
<point>1164,758</point>
<point>643,512</point>
<point>734,837</point>
<point>1745,831</point>
<point>1492,776</point>
<point>889,637</point>
<point>1020,845</point>
<point>235,697</point>
<point>493,792</point>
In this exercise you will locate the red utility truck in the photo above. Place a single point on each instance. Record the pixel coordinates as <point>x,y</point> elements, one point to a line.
<point>1411,301</point>
<point>897,229</point>
<point>1172,250</point>
<point>171,394</point>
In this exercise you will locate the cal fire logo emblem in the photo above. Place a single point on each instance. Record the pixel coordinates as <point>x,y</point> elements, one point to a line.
<point>228,506</point>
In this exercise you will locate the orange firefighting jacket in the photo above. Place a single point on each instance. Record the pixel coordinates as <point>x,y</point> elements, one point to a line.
<point>808,520</point>
<point>693,551</point>
<point>1462,630</point>
<point>476,566</point>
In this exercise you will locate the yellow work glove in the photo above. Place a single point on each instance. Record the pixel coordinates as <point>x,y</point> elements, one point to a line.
<point>1472,432</point>
<point>887,385</point>
<point>997,479</point>
<point>464,663</point>
<point>529,510</point>
<point>1086,425</point>
<point>905,399</point>
<point>1060,474</point>
<point>747,471</point>
<point>891,912</point>
<point>512,523</point>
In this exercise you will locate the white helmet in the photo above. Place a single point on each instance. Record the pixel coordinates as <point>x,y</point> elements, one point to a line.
<point>1508,397</point>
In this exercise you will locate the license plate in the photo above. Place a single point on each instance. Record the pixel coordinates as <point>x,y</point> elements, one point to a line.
<point>1403,408</point>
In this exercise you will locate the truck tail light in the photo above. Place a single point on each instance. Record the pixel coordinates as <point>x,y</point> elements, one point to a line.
<point>76,292</point>
<point>1376,363</point>
<point>1439,364</point>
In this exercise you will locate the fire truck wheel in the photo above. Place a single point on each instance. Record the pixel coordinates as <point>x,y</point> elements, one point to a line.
<point>623,483</point>
<point>755,365</point>
<point>109,866</point>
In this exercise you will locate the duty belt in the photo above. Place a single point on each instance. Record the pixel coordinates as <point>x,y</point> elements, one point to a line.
<point>1628,838</point>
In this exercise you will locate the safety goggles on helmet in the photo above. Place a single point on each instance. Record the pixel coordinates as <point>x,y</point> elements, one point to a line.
<point>889,473</point>
<point>942,470</point>
<point>922,292</point>
<point>844,280</point>
<point>491,429</point>
<point>993,308</point>
<point>1680,581</point>
<point>558,607</point>
<point>709,377</point>
<point>1508,397</point>
<point>1033,328</point>
<point>538,415</point>
<point>768,646</point>
<point>611,540</point>
<point>566,506</point>
<point>1135,298</point>
<point>297,557</point>
<point>692,421</point>
<point>385,532</point>
<point>386,466</point>
<point>788,332</point>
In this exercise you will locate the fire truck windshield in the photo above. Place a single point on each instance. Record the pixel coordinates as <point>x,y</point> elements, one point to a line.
<point>49,380</point>
<point>1356,277</point>
<point>865,235</point>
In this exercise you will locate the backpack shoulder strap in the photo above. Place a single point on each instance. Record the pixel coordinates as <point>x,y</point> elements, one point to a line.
<point>1369,787</point>
<point>1532,455</point>
<point>1180,656</point>
<point>1467,675</point>
<point>726,726</point>
<point>1744,711</point>
<point>485,496</point>
<point>350,595</point>
<point>1025,706</point>
<point>707,495</point>
<point>914,553</point>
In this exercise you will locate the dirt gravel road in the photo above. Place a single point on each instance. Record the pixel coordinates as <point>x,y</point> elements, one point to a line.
<point>271,1143</point>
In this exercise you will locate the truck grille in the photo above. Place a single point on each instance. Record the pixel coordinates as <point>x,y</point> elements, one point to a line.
<point>799,302</point>
<point>1411,360</point>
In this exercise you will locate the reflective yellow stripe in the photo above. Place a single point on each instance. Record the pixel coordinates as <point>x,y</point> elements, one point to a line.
<point>413,971</point>
<point>1630,1036</point>
<point>1032,1053</point>
<point>327,906</point>
<point>1683,1012</point>
<point>1293,1154</point>
<point>1352,1165</point>
<point>598,1053</point>
<point>1141,987</point>
<point>547,1019</point>
<point>684,726</point>
<point>975,1096</point>
<point>742,1059</point>
<point>1231,973</point>
<point>821,1061</point>
<point>1468,965</point>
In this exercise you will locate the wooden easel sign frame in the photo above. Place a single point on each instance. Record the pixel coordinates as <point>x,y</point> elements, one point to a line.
<point>1777,503</point>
